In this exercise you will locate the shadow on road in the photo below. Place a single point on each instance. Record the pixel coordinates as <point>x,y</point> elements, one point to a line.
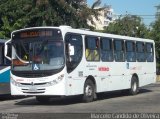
<point>122,93</point>
<point>53,101</point>
<point>77,99</point>
<point>6,97</point>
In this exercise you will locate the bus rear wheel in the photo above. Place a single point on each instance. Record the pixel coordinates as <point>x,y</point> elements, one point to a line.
<point>134,86</point>
<point>89,91</point>
<point>42,99</point>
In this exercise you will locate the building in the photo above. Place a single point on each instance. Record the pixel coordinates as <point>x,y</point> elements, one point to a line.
<point>106,16</point>
<point>84,2</point>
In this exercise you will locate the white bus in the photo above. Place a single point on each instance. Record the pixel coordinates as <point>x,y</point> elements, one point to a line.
<point>62,61</point>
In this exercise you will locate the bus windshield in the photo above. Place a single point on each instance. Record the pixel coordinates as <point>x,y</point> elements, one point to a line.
<point>37,54</point>
<point>32,56</point>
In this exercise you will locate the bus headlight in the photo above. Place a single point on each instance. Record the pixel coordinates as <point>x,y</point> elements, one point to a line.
<point>15,83</point>
<point>56,81</point>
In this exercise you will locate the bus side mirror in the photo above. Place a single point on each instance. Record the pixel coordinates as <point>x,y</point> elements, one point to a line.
<point>7,49</point>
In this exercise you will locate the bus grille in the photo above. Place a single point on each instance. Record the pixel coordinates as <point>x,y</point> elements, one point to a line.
<point>36,84</point>
<point>36,91</point>
<point>35,88</point>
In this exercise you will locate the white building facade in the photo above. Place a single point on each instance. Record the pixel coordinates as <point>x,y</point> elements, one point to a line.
<point>106,16</point>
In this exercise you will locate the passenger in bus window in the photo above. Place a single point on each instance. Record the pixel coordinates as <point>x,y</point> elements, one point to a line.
<point>92,55</point>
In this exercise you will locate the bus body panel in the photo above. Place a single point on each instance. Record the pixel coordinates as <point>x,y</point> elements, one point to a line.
<point>119,74</point>
<point>4,71</point>
<point>4,80</point>
<point>108,76</point>
<point>38,86</point>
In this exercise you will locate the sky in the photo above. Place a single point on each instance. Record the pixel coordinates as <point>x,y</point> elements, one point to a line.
<point>145,8</point>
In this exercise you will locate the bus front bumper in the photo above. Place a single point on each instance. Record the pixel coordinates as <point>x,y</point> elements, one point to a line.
<point>35,90</point>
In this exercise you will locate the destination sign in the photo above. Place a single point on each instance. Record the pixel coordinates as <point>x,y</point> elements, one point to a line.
<point>36,33</point>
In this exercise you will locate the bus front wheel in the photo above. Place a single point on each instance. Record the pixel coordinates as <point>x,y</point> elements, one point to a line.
<point>89,91</point>
<point>134,86</point>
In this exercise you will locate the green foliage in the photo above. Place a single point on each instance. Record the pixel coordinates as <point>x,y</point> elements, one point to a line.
<point>155,35</point>
<point>13,16</point>
<point>128,26</point>
<point>16,14</point>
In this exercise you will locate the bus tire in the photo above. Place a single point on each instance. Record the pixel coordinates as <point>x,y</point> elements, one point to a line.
<point>42,99</point>
<point>134,86</point>
<point>89,91</point>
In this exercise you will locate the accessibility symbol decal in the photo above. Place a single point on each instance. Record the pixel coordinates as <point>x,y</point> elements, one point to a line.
<point>36,67</point>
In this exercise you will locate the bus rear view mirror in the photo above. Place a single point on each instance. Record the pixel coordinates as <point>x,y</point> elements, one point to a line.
<point>7,49</point>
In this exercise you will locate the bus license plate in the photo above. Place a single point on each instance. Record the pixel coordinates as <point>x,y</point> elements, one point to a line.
<point>33,89</point>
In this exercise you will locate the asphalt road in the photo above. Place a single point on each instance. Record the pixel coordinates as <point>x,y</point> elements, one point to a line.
<point>147,101</point>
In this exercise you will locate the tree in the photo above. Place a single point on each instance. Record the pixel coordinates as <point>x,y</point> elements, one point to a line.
<point>13,16</point>
<point>130,25</point>
<point>155,35</point>
<point>16,14</point>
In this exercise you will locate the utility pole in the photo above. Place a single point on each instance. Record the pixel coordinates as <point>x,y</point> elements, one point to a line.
<point>158,11</point>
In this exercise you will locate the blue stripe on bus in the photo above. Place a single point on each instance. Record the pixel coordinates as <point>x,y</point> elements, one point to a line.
<point>5,76</point>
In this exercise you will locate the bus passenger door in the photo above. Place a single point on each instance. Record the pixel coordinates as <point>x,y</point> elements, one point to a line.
<point>74,49</point>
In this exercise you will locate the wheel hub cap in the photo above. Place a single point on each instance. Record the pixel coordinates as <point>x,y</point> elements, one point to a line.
<point>88,91</point>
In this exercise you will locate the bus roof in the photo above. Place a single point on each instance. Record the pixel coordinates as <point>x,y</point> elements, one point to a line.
<point>114,36</point>
<point>83,31</point>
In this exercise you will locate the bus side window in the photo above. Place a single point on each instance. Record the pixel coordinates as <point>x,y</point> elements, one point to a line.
<point>92,48</point>
<point>74,58</point>
<point>140,52</point>
<point>106,49</point>
<point>130,51</point>
<point>149,52</point>
<point>3,61</point>
<point>119,50</point>
<point>6,61</point>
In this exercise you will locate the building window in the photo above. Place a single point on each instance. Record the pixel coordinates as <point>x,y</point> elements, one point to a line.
<point>149,52</point>
<point>140,52</point>
<point>92,48</point>
<point>130,51</point>
<point>106,49</point>
<point>119,50</point>
<point>106,23</point>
